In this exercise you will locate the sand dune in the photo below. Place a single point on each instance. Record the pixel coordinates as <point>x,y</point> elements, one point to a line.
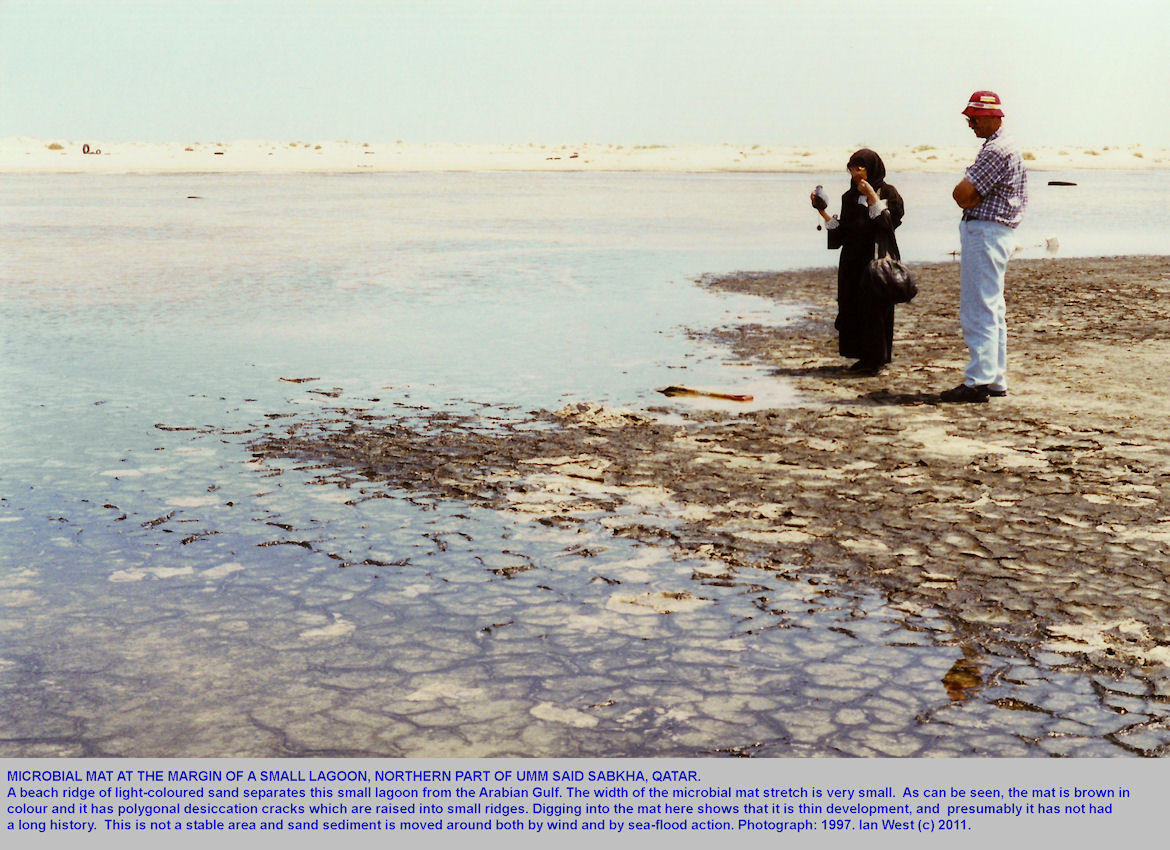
<point>23,155</point>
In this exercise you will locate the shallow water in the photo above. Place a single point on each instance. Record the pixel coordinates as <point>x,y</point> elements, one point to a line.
<point>164,595</point>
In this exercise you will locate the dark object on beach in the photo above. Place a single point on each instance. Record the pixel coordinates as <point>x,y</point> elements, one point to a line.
<point>194,197</point>
<point>1060,183</point>
<point>891,280</point>
<point>672,391</point>
<point>86,150</point>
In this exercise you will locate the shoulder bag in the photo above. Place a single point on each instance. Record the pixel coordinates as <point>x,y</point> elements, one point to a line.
<point>891,279</point>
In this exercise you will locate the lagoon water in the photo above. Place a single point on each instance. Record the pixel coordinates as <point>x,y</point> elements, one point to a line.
<point>150,326</point>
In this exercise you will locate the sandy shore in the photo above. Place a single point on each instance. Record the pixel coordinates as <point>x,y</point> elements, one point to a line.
<point>1038,525</point>
<point>23,155</point>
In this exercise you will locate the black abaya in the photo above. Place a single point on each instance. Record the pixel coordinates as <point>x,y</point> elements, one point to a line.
<point>865,324</point>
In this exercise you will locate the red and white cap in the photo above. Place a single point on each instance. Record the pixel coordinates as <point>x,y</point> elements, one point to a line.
<point>984,103</point>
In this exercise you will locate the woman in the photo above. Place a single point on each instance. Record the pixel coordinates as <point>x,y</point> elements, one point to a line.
<point>870,211</point>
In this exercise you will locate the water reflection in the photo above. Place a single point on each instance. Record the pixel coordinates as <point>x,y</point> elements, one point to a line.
<point>963,679</point>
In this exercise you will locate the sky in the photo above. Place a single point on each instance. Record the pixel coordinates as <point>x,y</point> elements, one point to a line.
<point>784,72</point>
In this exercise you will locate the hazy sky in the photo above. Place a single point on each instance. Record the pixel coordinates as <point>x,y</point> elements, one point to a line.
<point>622,71</point>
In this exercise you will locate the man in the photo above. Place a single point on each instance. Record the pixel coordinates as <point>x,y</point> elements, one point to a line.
<point>992,194</point>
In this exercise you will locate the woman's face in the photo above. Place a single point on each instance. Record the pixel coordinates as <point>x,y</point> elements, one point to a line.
<point>858,173</point>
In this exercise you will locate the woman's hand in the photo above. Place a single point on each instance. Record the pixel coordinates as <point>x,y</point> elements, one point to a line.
<point>821,211</point>
<point>864,188</point>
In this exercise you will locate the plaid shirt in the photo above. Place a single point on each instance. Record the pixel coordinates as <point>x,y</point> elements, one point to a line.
<point>999,177</point>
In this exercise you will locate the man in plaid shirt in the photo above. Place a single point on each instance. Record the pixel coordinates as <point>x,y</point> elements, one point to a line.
<point>992,194</point>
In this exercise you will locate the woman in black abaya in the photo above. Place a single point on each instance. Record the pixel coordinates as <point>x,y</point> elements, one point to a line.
<point>870,211</point>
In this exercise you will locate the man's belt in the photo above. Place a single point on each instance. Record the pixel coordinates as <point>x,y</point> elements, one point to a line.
<point>968,217</point>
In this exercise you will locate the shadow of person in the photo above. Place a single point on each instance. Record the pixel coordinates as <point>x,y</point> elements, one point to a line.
<point>891,398</point>
<point>821,371</point>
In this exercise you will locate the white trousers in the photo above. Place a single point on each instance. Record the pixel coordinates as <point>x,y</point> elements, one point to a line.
<point>986,247</point>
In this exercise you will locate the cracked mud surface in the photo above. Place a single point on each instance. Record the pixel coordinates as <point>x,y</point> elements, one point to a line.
<point>1037,526</point>
<point>866,572</point>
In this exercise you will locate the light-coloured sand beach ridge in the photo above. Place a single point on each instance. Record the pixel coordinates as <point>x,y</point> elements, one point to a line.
<point>23,155</point>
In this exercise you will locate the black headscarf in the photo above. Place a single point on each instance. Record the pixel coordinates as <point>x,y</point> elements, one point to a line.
<point>875,169</point>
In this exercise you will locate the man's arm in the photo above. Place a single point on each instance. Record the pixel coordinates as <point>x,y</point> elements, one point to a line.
<point>966,195</point>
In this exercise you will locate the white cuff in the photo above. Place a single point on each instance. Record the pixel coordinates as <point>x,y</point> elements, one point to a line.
<point>832,224</point>
<point>877,209</point>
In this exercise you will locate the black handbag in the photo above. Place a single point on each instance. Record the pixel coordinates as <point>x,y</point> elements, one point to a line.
<point>891,279</point>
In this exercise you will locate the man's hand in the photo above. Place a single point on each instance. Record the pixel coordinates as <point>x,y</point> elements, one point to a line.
<point>965,195</point>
